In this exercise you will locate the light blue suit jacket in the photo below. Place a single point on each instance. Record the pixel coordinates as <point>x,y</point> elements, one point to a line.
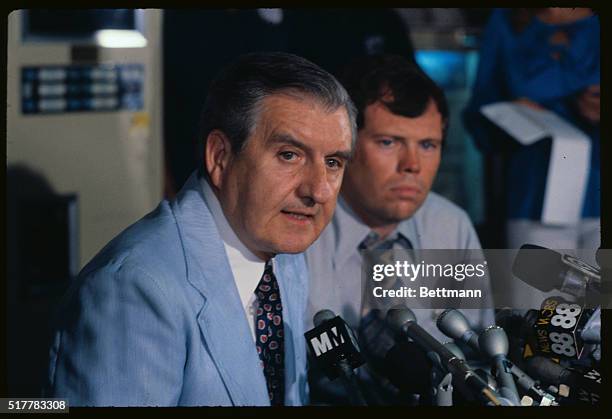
<point>155,319</point>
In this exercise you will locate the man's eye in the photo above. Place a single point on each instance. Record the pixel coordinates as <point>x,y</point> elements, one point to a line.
<point>386,142</point>
<point>288,155</point>
<point>334,163</point>
<point>429,145</point>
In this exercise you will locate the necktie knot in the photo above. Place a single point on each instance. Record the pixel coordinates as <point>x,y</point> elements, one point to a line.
<point>373,242</point>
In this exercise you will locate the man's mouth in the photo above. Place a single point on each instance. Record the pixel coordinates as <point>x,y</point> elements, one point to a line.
<point>406,191</point>
<point>299,216</point>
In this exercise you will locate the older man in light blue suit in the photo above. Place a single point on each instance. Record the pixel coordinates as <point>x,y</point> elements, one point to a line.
<point>172,312</point>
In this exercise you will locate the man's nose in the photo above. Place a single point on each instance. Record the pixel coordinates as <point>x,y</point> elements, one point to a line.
<point>410,160</point>
<point>316,187</point>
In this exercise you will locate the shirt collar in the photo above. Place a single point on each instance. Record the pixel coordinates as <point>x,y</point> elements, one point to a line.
<point>408,228</point>
<point>226,232</point>
<point>351,231</point>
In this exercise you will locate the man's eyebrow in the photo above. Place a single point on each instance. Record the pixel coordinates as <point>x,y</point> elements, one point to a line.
<point>434,139</point>
<point>343,154</point>
<point>282,138</point>
<point>401,138</point>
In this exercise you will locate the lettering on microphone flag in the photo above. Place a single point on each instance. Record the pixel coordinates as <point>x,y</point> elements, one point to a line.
<point>323,343</point>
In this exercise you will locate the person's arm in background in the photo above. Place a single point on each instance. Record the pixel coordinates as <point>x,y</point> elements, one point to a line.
<point>540,71</point>
<point>553,68</point>
<point>548,67</point>
<point>588,104</point>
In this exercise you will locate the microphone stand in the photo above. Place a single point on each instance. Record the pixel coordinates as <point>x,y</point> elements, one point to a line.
<point>349,382</point>
<point>443,389</point>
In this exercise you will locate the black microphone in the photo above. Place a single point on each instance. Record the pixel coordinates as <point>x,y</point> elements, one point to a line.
<point>488,378</point>
<point>333,346</point>
<point>403,321</point>
<point>585,386</point>
<point>455,349</point>
<point>557,329</point>
<point>493,342</point>
<point>548,270</point>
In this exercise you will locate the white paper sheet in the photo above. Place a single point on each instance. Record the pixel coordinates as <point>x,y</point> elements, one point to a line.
<point>569,157</point>
<point>518,121</point>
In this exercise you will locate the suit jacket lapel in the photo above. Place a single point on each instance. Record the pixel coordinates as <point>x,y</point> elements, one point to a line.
<point>221,319</point>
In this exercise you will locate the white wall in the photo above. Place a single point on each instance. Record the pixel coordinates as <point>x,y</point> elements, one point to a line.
<point>111,160</point>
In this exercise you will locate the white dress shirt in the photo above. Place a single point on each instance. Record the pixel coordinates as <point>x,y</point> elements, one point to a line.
<point>246,267</point>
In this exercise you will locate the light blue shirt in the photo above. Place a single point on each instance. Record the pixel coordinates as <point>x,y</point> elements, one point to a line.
<point>335,263</point>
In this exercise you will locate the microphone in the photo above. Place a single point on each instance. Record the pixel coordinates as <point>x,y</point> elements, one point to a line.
<point>454,325</point>
<point>493,342</point>
<point>557,329</point>
<point>488,378</point>
<point>403,321</point>
<point>333,346</point>
<point>456,350</point>
<point>437,362</point>
<point>591,333</point>
<point>547,270</point>
<point>585,386</point>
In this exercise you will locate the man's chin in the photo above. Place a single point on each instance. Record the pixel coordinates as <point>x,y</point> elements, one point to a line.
<point>397,215</point>
<point>292,246</point>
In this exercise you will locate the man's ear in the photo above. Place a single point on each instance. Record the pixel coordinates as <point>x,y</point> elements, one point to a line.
<point>217,155</point>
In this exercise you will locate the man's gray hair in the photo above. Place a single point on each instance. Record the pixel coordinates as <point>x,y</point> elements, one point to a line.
<point>236,95</point>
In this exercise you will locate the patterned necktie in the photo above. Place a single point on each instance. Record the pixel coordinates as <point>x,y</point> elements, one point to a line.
<point>269,335</point>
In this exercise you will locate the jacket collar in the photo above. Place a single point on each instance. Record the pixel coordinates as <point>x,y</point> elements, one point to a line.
<point>221,319</point>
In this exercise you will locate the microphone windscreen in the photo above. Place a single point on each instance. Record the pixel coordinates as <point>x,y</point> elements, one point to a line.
<point>545,370</point>
<point>322,316</point>
<point>538,266</point>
